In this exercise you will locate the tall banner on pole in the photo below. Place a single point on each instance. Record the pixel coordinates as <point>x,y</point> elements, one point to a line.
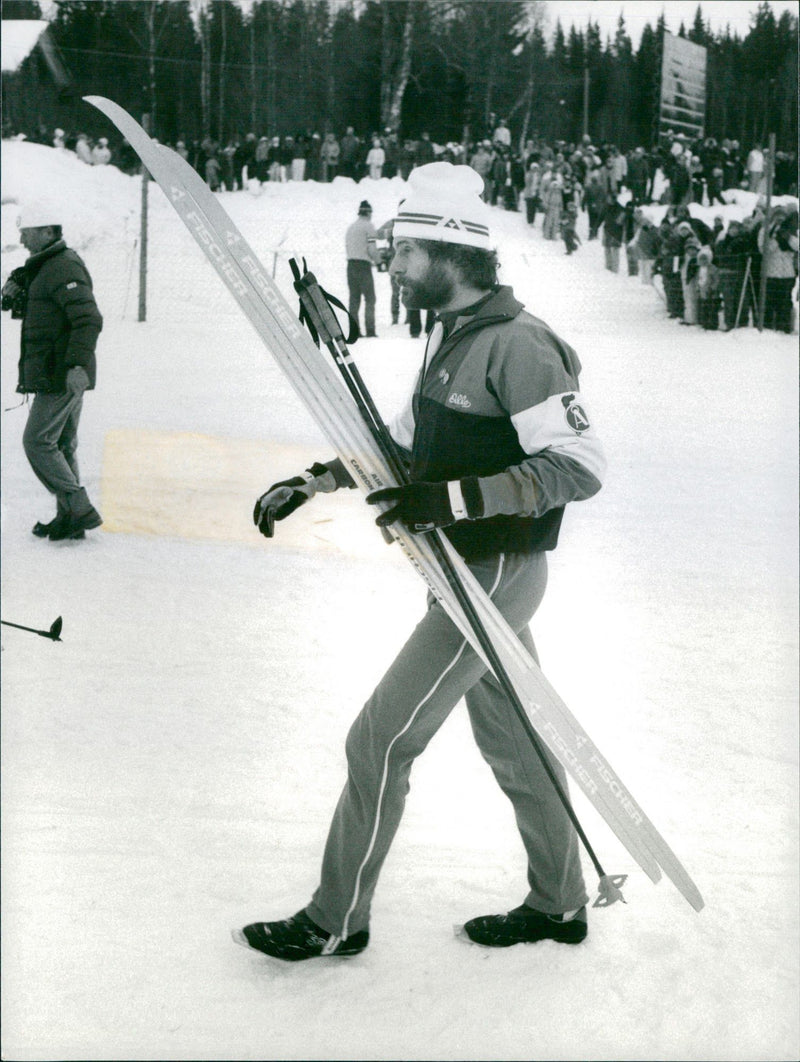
<point>682,104</point>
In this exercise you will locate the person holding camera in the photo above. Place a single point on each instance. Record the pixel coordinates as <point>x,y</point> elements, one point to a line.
<point>52,295</point>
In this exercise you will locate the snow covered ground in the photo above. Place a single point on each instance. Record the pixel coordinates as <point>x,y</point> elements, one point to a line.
<point>170,767</point>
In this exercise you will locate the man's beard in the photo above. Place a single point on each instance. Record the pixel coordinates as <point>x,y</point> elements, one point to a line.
<point>430,292</point>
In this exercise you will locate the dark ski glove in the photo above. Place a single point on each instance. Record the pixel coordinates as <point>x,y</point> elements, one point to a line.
<point>425,506</point>
<point>77,381</point>
<point>15,293</point>
<point>284,497</point>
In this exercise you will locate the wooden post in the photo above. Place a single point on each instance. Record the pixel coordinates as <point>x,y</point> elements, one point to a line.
<point>585,97</point>
<point>143,234</point>
<point>762,293</point>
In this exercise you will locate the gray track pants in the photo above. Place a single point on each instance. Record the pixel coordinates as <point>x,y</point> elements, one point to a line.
<point>434,670</point>
<point>50,440</point>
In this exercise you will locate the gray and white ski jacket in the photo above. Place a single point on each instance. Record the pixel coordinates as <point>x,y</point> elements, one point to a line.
<point>497,407</point>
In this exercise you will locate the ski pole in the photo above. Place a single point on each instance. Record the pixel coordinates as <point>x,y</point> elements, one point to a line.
<point>53,633</point>
<point>743,292</point>
<point>327,326</point>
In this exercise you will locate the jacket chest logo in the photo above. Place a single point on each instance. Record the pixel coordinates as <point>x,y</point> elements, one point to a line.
<point>457,399</point>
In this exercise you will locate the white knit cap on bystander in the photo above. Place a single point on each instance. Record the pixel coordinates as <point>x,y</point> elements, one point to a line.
<point>38,216</point>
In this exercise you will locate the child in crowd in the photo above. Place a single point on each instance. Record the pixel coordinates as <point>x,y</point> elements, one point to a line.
<point>568,222</point>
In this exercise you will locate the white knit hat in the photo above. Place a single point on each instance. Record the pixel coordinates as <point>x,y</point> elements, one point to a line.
<point>444,204</point>
<point>37,216</point>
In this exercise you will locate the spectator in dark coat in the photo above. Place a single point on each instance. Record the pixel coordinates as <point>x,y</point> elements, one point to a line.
<point>408,158</point>
<point>613,232</point>
<point>669,265</point>
<point>425,152</point>
<point>730,256</point>
<point>391,147</point>
<point>680,183</point>
<point>52,294</point>
<point>638,176</point>
<point>243,158</point>
<point>263,160</point>
<point>349,148</point>
<point>497,176</point>
<point>594,199</point>
<point>630,231</point>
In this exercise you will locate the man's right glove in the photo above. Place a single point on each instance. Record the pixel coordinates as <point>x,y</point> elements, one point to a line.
<point>284,497</point>
<point>15,293</point>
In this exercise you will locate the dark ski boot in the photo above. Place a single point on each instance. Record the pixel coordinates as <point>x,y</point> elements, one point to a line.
<point>297,938</point>
<point>524,925</point>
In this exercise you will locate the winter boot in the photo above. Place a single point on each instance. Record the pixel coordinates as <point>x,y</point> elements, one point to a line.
<point>298,938</point>
<point>524,925</point>
<point>82,516</point>
<point>55,527</point>
<point>42,530</point>
<point>75,526</point>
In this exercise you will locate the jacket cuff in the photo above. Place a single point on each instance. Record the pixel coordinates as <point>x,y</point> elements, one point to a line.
<point>473,497</point>
<point>332,475</point>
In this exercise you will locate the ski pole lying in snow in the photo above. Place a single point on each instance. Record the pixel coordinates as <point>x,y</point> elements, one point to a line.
<point>53,633</point>
<point>319,316</point>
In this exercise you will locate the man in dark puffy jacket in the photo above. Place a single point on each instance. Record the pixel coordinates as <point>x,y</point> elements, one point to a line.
<point>52,293</point>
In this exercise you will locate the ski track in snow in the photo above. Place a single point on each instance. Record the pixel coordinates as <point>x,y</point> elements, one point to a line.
<point>170,767</point>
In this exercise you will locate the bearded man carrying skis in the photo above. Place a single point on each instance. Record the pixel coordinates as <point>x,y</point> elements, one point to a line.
<point>498,442</point>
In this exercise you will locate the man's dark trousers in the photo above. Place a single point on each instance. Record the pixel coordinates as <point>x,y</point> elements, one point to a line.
<point>360,283</point>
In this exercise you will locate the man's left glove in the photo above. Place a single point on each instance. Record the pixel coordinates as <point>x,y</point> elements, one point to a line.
<point>76,381</point>
<point>425,506</point>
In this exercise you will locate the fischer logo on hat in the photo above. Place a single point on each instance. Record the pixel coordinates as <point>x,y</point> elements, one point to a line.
<point>444,204</point>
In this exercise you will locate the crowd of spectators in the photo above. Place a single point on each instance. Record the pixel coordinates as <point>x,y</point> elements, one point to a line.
<point>239,161</point>
<point>709,275</point>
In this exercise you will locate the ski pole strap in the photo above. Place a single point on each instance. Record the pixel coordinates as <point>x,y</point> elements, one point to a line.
<point>316,308</point>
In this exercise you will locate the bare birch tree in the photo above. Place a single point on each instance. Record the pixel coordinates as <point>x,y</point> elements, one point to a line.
<point>395,69</point>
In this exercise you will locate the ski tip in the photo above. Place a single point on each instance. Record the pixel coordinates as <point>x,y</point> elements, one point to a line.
<point>108,107</point>
<point>238,937</point>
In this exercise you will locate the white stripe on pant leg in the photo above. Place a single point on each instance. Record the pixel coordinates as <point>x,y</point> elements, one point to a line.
<point>384,780</point>
<point>500,565</point>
